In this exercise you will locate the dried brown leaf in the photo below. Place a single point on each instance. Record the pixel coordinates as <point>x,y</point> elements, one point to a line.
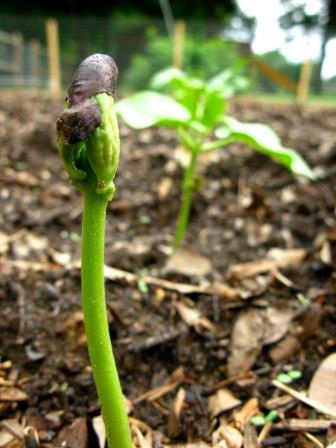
<point>187,261</point>
<point>275,259</point>
<point>252,330</point>
<point>285,349</point>
<point>277,321</point>
<point>322,386</point>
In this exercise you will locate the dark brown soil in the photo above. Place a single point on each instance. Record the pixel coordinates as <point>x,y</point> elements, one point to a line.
<point>245,206</point>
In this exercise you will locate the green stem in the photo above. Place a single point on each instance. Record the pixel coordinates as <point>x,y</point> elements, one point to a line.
<point>217,144</point>
<point>187,194</point>
<point>96,323</point>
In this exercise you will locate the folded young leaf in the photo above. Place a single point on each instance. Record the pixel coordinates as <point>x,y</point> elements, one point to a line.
<point>165,77</point>
<point>265,140</point>
<point>228,82</point>
<point>146,109</point>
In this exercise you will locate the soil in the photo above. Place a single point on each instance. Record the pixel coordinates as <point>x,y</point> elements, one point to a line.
<point>192,376</point>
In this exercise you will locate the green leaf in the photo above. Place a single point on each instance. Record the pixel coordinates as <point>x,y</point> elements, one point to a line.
<point>295,374</point>
<point>258,420</point>
<point>284,378</point>
<point>164,78</point>
<point>265,140</point>
<point>228,82</point>
<point>214,109</point>
<point>142,286</point>
<point>271,416</point>
<point>146,109</point>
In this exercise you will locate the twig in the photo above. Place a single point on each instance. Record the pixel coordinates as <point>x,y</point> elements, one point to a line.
<point>265,431</point>
<point>313,439</point>
<point>295,424</point>
<point>302,397</point>
<point>156,393</point>
<point>250,436</point>
<point>228,381</point>
<point>112,274</point>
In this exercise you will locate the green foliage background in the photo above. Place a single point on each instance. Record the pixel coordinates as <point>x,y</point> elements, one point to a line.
<point>202,58</point>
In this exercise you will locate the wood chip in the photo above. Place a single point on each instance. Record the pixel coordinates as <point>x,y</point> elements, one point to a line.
<point>243,415</point>
<point>223,400</point>
<point>226,292</point>
<point>24,178</point>
<point>227,436</point>
<point>12,394</point>
<point>99,428</point>
<point>74,435</point>
<point>250,436</point>
<point>174,426</point>
<point>193,317</point>
<point>299,425</point>
<point>13,427</point>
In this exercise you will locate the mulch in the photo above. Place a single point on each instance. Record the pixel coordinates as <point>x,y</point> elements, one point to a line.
<point>201,338</point>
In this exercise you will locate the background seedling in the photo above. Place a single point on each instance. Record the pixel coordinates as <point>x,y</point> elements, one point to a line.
<point>88,143</point>
<point>289,377</point>
<point>196,109</point>
<point>260,420</point>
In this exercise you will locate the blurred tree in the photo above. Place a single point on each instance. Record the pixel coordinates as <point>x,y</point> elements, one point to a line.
<point>211,9</point>
<point>299,14</point>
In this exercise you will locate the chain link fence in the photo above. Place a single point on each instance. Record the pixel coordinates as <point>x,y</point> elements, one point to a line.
<point>141,47</point>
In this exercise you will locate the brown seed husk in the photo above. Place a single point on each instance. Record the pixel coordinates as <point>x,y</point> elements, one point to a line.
<point>78,122</point>
<point>98,73</point>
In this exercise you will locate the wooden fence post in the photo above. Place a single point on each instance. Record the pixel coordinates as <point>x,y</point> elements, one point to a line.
<point>304,81</point>
<point>179,36</point>
<point>53,56</point>
<point>18,58</point>
<point>35,63</point>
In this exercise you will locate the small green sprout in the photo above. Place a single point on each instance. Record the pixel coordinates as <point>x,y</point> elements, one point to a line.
<point>303,300</point>
<point>142,286</point>
<point>260,420</point>
<point>289,377</point>
<point>88,144</point>
<point>196,109</point>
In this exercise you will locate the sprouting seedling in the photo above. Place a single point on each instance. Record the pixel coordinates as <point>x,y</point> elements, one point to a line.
<point>196,109</point>
<point>88,143</point>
